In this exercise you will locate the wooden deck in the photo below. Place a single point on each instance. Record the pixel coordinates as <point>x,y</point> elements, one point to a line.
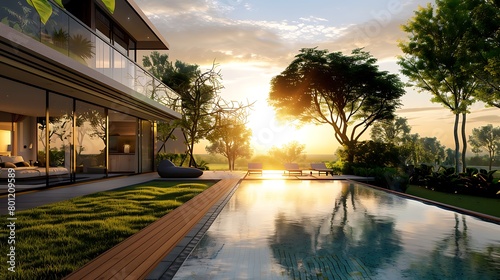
<point>138,255</point>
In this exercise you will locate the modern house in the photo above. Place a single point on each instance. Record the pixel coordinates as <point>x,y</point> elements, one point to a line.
<point>74,103</point>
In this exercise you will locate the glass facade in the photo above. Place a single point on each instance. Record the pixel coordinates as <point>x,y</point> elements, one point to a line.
<point>123,143</point>
<point>62,140</point>
<point>90,142</point>
<point>107,49</point>
<point>147,146</point>
<point>65,123</point>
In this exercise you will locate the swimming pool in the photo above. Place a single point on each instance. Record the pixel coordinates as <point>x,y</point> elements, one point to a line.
<point>290,229</point>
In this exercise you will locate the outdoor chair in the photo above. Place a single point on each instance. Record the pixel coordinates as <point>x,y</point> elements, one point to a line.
<point>254,168</point>
<point>293,168</point>
<point>321,168</point>
<point>166,169</point>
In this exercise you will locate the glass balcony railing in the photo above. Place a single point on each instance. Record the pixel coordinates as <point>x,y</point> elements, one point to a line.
<point>69,36</point>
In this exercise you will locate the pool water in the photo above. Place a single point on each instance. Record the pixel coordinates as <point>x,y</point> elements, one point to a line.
<point>286,229</point>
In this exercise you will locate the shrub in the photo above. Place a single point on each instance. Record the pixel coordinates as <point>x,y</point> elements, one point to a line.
<point>337,166</point>
<point>385,177</point>
<point>203,165</point>
<point>56,158</point>
<point>373,153</point>
<point>472,182</point>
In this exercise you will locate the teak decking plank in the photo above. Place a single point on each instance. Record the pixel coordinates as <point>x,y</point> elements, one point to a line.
<point>133,255</point>
<point>166,244</point>
<point>175,232</point>
<point>140,270</point>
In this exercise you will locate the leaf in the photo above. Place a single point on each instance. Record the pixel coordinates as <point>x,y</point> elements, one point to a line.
<point>110,4</point>
<point>43,8</point>
<point>59,2</point>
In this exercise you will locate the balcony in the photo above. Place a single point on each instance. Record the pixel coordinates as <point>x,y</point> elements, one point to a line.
<point>69,36</point>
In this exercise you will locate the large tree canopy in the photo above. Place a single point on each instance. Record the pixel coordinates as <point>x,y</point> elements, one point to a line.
<point>394,131</point>
<point>437,59</point>
<point>198,93</point>
<point>231,137</point>
<point>200,103</point>
<point>485,36</point>
<point>347,92</point>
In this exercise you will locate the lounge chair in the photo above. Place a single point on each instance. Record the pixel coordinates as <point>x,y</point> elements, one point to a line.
<point>254,168</point>
<point>293,168</point>
<point>166,169</point>
<point>321,167</point>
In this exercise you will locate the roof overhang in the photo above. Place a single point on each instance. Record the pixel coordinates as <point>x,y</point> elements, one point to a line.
<point>133,19</point>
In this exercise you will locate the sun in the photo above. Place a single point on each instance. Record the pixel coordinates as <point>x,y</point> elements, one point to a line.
<point>267,131</point>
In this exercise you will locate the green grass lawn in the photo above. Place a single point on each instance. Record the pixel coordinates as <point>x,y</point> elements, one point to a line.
<point>56,239</point>
<point>489,206</point>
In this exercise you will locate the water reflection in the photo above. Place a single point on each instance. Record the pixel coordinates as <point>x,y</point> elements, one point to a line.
<point>306,249</point>
<point>330,230</point>
<point>453,257</point>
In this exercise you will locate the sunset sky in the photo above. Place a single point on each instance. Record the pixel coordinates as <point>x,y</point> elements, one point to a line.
<point>253,41</point>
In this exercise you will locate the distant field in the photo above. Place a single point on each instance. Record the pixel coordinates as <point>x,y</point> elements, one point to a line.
<point>219,166</point>
<point>220,162</point>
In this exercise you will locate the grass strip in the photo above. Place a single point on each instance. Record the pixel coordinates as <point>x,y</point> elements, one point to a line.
<point>489,206</point>
<point>56,239</point>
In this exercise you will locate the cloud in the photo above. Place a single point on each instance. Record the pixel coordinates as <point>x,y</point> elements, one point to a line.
<point>419,110</point>
<point>485,119</point>
<point>200,31</point>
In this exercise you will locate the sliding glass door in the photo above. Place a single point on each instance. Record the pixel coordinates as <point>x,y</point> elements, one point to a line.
<point>90,141</point>
<point>60,139</point>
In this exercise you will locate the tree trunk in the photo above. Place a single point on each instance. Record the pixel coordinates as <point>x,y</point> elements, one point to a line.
<point>163,145</point>
<point>192,161</point>
<point>457,144</point>
<point>491,159</point>
<point>230,163</point>
<point>464,141</point>
<point>351,152</point>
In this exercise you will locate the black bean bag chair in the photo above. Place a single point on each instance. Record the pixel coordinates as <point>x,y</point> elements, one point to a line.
<point>166,169</point>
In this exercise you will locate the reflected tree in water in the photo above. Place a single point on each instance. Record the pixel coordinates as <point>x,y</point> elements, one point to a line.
<point>455,258</point>
<point>349,241</point>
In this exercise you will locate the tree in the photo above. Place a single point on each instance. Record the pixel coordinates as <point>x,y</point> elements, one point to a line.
<point>391,131</point>
<point>486,137</point>
<point>198,107</point>
<point>432,151</point>
<point>395,132</point>
<point>449,158</point>
<point>437,59</point>
<point>426,150</point>
<point>231,137</point>
<point>349,93</point>
<point>486,50</point>
<point>164,132</point>
<point>376,154</point>
<point>198,94</point>
<point>288,153</point>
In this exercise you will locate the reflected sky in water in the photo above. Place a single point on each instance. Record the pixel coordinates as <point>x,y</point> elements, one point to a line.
<point>277,229</point>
